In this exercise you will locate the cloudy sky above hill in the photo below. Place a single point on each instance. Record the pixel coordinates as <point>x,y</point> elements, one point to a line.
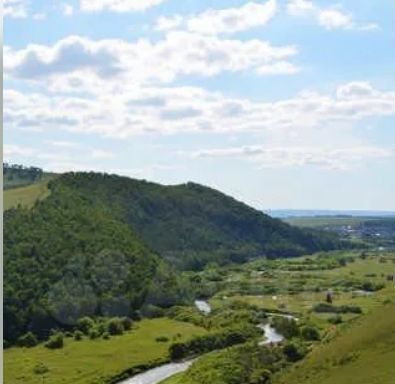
<point>283,104</point>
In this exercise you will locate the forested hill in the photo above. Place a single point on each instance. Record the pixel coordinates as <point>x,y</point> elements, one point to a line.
<point>98,245</point>
<point>190,224</point>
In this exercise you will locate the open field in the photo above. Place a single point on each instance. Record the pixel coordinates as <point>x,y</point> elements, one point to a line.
<point>27,195</point>
<point>93,361</point>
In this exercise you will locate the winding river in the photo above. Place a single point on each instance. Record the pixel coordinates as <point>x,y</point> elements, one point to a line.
<point>159,374</point>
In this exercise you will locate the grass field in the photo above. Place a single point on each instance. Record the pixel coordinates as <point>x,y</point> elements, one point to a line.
<point>363,353</point>
<point>26,196</point>
<point>92,361</point>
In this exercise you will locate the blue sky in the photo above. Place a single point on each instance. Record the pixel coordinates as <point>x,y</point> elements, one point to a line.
<point>282,104</point>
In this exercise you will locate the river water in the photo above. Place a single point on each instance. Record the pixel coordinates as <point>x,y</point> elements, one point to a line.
<point>158,374</point>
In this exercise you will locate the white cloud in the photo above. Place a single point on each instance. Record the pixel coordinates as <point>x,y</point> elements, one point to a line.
<point>76,61</point>
<point>167,23</point>
<point>330,18</point>
<point>284,157</point>
<point>128,111</point>
<point>233,20</point>
<point>218,21</point>
<point>67,9</point>
<point>118,5</point>
<point>15,8</point>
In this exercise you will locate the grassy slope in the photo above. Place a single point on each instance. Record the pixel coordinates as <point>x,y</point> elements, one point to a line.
<point>26,195</point>
<point>89,361</point>
<point>363,354</point>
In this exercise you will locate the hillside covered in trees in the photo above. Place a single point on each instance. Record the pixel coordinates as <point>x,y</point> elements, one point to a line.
<point>100,245</point>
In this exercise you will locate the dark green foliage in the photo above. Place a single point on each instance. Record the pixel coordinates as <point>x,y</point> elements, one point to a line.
<point>40,369</point>
<point>212,341</point>
<point>286,327</point>
<point>115,326</point>
<point>66,259</point>
<point>78,335</point>
<point>329,308</point>
<point>293,351</point>
<point>127,323</point>
<point>85,324</point>
<point>106,336</point>
<point>162,339</point>
<point>27,340</point>
<point>55,341</point>
<point>337,319</point>
<point>191,224</point>
<point>93,334</point>
<point>15,175</point>
<point>310,333</point>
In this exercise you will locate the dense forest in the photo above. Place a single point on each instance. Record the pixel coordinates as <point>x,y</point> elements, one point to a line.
<point>100,246</point>
<point>17,175</point>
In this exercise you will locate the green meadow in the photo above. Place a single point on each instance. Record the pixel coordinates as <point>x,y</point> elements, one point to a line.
<point>95,361</point>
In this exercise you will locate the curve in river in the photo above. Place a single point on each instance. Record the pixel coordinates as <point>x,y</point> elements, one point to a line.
<point>158,374</point>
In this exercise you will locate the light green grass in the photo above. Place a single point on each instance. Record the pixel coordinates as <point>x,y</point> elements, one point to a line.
<point>26,196</point>
<point>363,353</point>
<point>91,361</point>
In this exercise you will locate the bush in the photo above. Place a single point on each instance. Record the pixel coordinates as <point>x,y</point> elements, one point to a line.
<point>335,319</point>
<point>78,335</point>
<point>152,311</point>
<point>106,336</point>
<point>40,369</point>
<point>329,308</point>
<point>28,340</point>
<point>310,333</point>
<point>115,326</point>
<point>55,341</point>
<point>85,324</point>
<point>286,327</point>
<point>127,323</point>
<point>93,334</point>
<point>293,352</point>
<point>162,339</point>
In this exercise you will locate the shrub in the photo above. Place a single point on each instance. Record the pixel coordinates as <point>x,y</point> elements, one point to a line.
<point>310,333</point>
<point>152,311</point>
<point>287,327</point>
<point>40,369</point>
<point>293,352</point>
<point>162,339</point>
<point>127,323</point>
<point>106,336</point>
<point>93,334</point>
<point>115,326</point>
<point>78,335</point>
<point>55,341</point>
<point>28,340</point>
<point>335,319</point>
<point>85,324</point>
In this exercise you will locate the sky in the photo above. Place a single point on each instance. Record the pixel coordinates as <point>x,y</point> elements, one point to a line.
<point>281,104</point>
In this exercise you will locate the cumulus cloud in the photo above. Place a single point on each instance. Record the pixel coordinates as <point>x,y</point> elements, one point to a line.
<point>169,110</point>
<point>330,18</point>
<point>218,21</point>
<point>76,61</point>
<point>283,157</point>
<point>118,5</point>
<point>66,56</point>
<point>15,8</point>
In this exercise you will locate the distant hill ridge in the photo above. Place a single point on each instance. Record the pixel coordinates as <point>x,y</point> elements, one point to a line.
<point>187,223</point>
